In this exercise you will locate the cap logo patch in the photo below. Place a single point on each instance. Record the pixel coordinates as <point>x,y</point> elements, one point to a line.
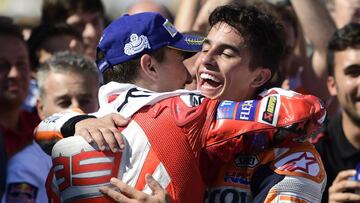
<point>136,45</point>
<point>170,28</point>
<point>194,41</point>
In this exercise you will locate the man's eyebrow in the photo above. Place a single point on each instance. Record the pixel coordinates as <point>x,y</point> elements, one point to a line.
<point>224,46</point>
<point>352,67</point>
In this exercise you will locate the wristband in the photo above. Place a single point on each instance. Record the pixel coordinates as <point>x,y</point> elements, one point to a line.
<point>68,129</point>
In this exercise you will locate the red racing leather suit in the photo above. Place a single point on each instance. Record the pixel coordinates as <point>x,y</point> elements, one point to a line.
<point>175,137</point>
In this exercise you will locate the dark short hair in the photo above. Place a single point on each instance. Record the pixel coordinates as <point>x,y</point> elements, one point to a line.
<point>45,31</point>
<point>7,27</point>
<point>263,33</point>
<point>344,38</point>
<point>60,10</point>
<point>128,71</point>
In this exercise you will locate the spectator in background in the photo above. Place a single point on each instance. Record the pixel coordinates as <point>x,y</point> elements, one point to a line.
<point>45,40</point>
<point>86,16</point>
<point>66,80</point>
<point>151,6</point>
<point>16,125</point>
<point>340,145</point>
<point>346,11</point>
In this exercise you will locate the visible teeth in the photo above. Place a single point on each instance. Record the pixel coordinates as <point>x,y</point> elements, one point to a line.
<point>206,76</point>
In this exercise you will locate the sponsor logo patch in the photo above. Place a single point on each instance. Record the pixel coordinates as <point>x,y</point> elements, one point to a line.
<point>225,110</point>
<point>136,45</point>
<point>236,178</point>
<point>21,192</point>
<point>192,100</point>
<point>269,112</point>
<point>246,161</point>
<point>303,162</point>
<point>170,28</point>
<point>227,194</point>
<point>52,119</point>
<point>246,110</point>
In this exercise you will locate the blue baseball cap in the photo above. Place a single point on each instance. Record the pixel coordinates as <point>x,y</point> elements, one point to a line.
<point>131,36</point>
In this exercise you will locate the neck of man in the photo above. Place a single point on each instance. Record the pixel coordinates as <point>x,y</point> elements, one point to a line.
<point>351,130</point>
<point>9,117</point>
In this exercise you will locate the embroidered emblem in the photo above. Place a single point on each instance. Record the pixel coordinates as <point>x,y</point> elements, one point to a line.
<point>170,28</point>
<point>136,45</point>
<point>194,41</point>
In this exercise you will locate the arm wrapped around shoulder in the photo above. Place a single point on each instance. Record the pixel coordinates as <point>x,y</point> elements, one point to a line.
<point>278,118</point>
<point>51,129</point>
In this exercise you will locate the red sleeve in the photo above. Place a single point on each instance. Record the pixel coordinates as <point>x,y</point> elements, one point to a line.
<point>275,120</point>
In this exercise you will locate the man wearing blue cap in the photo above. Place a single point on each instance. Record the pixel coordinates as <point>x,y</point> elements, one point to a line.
<point>191,131</point>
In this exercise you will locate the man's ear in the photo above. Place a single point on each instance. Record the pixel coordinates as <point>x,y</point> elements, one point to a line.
<point>40,108</point>
<point>148,66</point>
<point>261,76</point>
<point>331,85</point>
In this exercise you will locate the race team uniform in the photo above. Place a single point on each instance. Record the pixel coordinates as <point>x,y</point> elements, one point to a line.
<point>284,174</point>
<point>181,138</point>
<point>26,175</point>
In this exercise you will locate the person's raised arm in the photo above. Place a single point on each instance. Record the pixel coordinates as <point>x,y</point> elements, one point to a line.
<point>318,27</point>
<point>201,23</point>
<point>186,14</point>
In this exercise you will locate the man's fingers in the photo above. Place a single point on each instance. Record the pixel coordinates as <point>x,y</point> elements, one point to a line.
<point>344,197</point>
<point>109,137</point>
<point>125,189</point>
<point>343,186</point>
<point>120,140</point>
<point>153,184</point>
<point>117,196</point>
<point>98,138</point>
<point>85,134</point>
<point>119,120</point>
<point>342,175</point>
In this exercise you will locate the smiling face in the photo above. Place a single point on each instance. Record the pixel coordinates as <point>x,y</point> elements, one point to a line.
<point>346,83</point>
<point>224,66</point>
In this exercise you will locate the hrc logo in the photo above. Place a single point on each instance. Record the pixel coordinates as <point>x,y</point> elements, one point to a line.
<point>246,110</point>
<point>268,114</point>
<point>225,110</point>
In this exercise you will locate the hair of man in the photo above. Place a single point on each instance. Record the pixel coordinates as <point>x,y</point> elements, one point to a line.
<point>60,10</point>
<point>344,38</point>
<point>127,72</point>
<point>46,31</point>
<point>7,27</point>
<point>63,62</point>
<point>263,33</point>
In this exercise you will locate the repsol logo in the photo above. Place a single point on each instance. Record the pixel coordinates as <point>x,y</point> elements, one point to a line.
<point>228,195</point>
<point>246,161</point>
<point>236,180</point>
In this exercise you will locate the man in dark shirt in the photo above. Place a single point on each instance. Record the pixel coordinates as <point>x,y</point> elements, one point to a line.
<point>340,145</point>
